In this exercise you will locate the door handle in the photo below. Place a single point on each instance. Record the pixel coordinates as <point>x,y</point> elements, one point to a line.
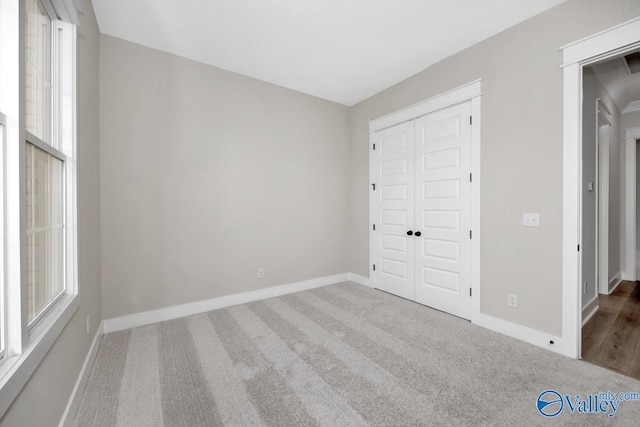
<point>418,234</point>
<point>409,233</point>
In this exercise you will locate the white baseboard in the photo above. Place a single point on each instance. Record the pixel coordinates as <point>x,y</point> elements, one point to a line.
<point>614,282</point>
<point>70,412</point>
<point>522,333</point>
<point>513,330</point>
<point>360,280</point>
<point>589,310</point>
<point>629,275</point>
<point>177,311</point>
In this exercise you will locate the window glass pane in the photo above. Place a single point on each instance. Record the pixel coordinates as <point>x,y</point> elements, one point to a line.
<point>45,229</point>
<point>38,70</point>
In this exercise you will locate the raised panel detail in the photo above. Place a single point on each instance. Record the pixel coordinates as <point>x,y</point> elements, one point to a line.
<point>442,159</point>
<point>394,142</point>
<point>393,242</point>
<point>449,220</point>
<point>394,267</point>
<point>442,129</point>
<point>394,192</point>
<point>442,279</point>
<point>393,167</point>
<point>447,189</point>
<point>389,217</point>
<point>442,249</point>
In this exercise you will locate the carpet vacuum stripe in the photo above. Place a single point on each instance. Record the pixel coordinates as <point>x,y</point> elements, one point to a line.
<point>342,355</point>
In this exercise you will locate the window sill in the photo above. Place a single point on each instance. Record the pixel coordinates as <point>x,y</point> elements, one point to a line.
<point>16,371</point>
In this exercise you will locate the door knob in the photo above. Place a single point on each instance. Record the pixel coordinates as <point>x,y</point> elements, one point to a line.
<point>409,233</point>
<point>418,234</point>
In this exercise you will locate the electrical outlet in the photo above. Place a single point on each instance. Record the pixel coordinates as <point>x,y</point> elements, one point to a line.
<point>512,300</point>
<point>261,273</point>
<point>88,324</point>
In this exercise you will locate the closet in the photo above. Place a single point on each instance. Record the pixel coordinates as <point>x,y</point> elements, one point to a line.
<point>421,209</point>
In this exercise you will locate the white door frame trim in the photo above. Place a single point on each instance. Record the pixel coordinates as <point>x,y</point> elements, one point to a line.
<point>471,91</point>
<point>629,271</point>
<point>454,96</point>
<point>599,46</point>
<point>603,176</point>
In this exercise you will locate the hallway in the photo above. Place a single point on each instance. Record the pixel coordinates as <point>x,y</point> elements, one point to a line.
<point>611,338</point>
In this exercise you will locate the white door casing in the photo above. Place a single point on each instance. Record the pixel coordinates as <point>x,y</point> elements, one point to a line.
<point>602,245</point>
<point>443,210</point>
<point>605,44</point>
<point>393,251</point>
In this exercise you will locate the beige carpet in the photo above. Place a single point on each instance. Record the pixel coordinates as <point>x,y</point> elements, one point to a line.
<point>342,355</point>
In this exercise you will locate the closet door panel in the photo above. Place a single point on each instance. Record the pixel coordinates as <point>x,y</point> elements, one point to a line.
<point>443,210</point>
<point>393,250</point>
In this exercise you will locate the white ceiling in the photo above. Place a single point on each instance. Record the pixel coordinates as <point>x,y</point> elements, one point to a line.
<point>340,50</point>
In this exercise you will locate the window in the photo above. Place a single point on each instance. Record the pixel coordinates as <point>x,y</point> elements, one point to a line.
<point>3,310</point>
<point>44,168</point>
<point>45,223</point>
<point>38,271</point>
<point>38,70</point>
<point>8,90</point>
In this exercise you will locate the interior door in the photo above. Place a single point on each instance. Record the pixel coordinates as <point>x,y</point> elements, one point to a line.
<point>393,249</point>
<point>443,210</point>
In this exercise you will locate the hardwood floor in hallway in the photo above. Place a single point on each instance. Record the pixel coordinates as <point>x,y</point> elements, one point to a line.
<point>611,338</point>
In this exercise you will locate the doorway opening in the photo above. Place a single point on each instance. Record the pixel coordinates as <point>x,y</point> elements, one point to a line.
<point>598,48</point>
<point>610,295</point>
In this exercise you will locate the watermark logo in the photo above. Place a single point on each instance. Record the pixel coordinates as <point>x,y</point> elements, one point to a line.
<point>551,403</point>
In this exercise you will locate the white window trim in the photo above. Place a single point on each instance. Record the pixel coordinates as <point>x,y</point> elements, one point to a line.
<point>3,231</point>
<point>19,369</point>
<point>27,348</point>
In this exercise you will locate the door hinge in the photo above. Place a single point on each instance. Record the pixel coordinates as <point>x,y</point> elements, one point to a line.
<point>374,147</point>
<point>470,177</point>
<point>470,292</point>
<point>578,248</point>
<point>470,120</point>
<point>374,267</point>
<point>471,234</point>
<point>374,227</point>
<point>373,186</point>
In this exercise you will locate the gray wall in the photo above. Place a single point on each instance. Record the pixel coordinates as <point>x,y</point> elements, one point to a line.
<point>521,153</point>
<point>44,398</point>
<point>630,120</point>
<point>593,90</point>
<point>207,176</point>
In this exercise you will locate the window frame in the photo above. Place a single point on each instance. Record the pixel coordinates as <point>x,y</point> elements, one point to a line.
<point>3,231</point>
<point>61,146</point>
<point>27,345</point>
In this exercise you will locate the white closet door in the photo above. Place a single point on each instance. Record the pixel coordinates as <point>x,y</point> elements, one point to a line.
<point>443,210</point>
<point>393,249</point>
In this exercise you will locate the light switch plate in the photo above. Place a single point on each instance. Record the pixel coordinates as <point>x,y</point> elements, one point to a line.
<point>531,220</point>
